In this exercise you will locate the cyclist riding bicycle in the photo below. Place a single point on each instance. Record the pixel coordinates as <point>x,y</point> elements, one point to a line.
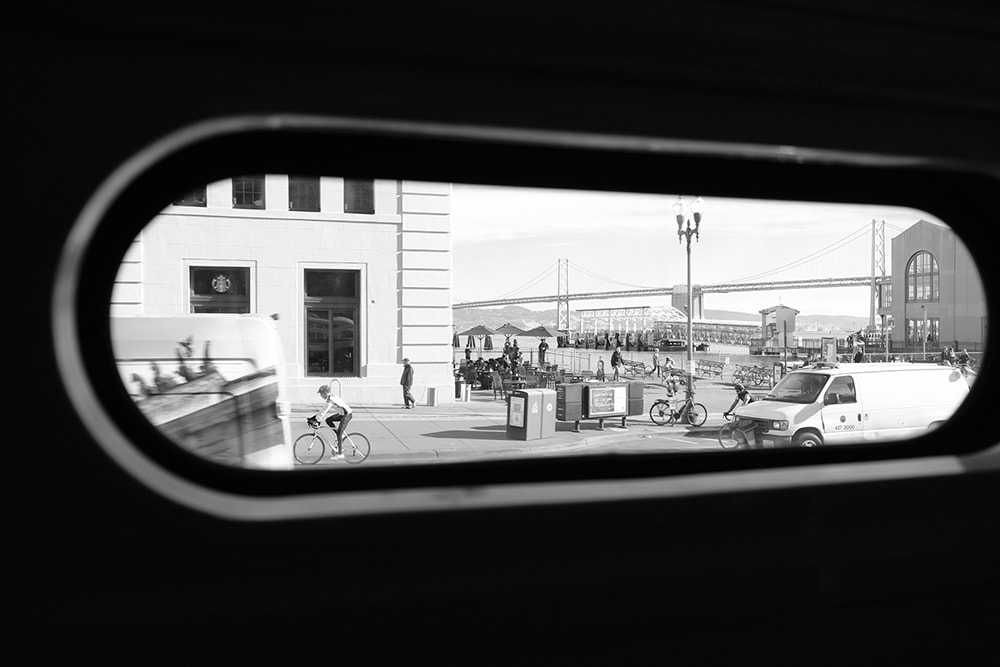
<point>964,361</point>
<point>744,427</point>
<point>342,413</point>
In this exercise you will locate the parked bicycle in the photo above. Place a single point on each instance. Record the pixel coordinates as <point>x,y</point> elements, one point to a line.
<point>686,410</point>
<point>309,448</point>
<point>756,376</point>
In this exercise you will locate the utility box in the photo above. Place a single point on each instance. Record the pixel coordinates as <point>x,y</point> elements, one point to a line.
<point>569,402</point>
<point>531,414</point>
<point>605,399</point>
<point>635,397</point>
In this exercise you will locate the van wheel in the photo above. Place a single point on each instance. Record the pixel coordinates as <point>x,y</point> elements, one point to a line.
<point>807,439</point>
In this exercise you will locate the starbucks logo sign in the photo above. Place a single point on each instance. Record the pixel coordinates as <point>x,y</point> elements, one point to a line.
<point>221,283</point>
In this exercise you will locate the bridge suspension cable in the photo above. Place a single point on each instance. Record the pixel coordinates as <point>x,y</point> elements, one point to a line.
<point>861,232</point>
<point>748,283</point>
<point>534,281</point>
<point>605,279</point>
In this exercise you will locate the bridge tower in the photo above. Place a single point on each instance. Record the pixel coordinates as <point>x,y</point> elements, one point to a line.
<point>878,270</point>
<point>562,298</point>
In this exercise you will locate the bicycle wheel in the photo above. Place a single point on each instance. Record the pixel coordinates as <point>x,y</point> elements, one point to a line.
<point>696,414</point>
<point>356,448</point>
<point>660,412</point>
<point>727,436</point>
<point>309,448</point>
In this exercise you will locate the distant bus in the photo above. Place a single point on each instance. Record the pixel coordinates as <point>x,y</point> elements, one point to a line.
<point>212,383</point>
<point>671,345</point>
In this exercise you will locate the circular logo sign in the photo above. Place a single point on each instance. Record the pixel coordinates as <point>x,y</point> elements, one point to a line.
<point>221,283</point>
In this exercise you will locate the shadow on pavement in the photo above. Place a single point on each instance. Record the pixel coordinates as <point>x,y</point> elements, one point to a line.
<point>474,433</point>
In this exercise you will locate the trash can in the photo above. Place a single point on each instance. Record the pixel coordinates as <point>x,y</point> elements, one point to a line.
<point>548,412</point>
<point>635,397</point>
<point>531,414</point>
<point>569,402</point>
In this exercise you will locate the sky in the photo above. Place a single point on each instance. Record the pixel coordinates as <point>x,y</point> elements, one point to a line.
<point>507,242</point>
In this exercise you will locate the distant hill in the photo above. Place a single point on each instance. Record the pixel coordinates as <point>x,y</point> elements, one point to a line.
<point>525,318</point>
<point>731,315</point>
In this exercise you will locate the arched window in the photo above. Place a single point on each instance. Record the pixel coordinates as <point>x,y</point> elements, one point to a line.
<point>922,277</point>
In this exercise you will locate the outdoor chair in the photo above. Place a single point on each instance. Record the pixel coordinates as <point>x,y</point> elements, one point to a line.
<point>498,385</point>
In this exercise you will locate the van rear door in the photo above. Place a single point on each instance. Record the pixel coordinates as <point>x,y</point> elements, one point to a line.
<point>841,412</point>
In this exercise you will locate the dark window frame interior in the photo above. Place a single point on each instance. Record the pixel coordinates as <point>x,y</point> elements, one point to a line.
<point>241,191</point>
<point>304,193</point>
<point>218,300</point>
<point>194,197</point>
<point>359,195</point>
<point>332,304</point>
<point>957,198</point>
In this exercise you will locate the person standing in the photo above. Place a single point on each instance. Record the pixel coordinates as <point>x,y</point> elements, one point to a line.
<point>656,361</point>
<point>406,380</point>
<point>617,362</point>
<point>468,353</point>
<point>542,347</point>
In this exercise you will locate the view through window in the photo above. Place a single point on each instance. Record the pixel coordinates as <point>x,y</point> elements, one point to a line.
<point>454,322</point>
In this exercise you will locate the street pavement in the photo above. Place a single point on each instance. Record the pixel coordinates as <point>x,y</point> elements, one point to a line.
<point>477,429</point>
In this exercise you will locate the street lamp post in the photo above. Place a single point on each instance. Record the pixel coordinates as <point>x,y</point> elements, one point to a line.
<point>923,334</point>
<point>686,231</point>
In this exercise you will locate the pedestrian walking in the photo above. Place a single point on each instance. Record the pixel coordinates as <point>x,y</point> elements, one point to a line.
<point>406,380</point>
<point>656,361</point>
<point>542,347</point>
<point>617,362</point>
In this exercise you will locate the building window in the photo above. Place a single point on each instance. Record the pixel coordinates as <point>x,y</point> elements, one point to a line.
<point>303,193</point>
<point>220,289</point>
<point>248,192</point>
<point>359,195</point>
<point>917,334</point>
<point>922,277</point>
<point>195,197</point>
<point>331,308</point>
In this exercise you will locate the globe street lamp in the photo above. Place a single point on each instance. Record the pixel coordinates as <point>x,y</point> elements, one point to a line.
<point>685,231</point>
<point>923,334</point>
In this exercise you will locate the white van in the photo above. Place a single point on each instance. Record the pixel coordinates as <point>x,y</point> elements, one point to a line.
<point>831,404</point>
<point>212,383</point>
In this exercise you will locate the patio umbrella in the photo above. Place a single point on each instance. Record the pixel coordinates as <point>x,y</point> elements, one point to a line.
<point>509,330</point>
<point>479,331</point>
<point>542,331</point>
<point>455,342</point>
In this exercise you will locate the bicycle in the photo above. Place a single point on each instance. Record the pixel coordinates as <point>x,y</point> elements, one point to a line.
<point>662,411</point>
<point>309,448</point>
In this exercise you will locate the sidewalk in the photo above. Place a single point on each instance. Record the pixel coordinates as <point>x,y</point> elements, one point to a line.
<point>477,429</point>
